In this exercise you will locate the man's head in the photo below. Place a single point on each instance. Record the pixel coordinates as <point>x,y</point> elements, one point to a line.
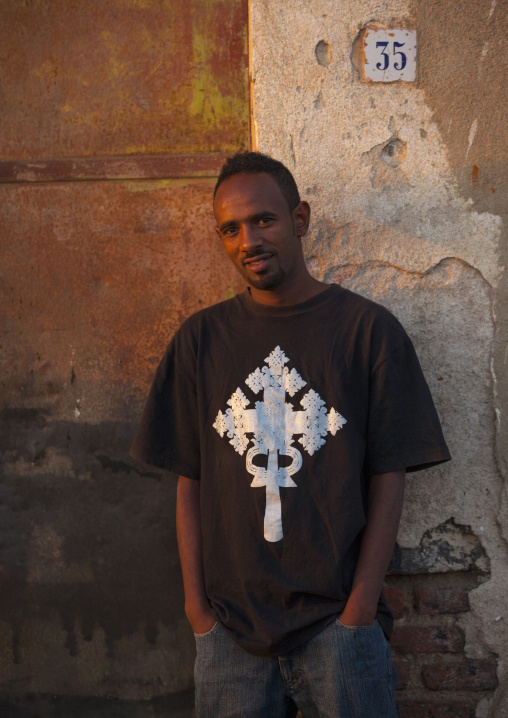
<point>252,163</point>
<point>261,226</point>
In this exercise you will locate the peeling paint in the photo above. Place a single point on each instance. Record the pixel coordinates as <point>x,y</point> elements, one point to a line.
<point>472,134</point>
<point>485,50</point>
<point>448,547</point>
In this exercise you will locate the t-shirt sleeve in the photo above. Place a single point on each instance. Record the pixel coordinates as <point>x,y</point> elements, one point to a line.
<point>168,434</point>
<point>403,430</point>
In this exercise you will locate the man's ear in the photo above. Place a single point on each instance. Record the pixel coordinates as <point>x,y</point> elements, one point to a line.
<point>301,218</point>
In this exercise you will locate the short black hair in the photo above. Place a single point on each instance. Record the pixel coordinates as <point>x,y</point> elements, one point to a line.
<point>253,163</point>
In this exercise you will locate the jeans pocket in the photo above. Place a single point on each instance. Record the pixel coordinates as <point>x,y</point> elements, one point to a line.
<point>208,633</point>
<point>357,629</point>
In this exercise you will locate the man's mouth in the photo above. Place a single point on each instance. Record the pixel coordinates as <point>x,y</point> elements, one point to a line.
<point>259,262</point>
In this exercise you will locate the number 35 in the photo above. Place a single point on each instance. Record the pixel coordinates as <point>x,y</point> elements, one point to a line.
<point>386,56</point>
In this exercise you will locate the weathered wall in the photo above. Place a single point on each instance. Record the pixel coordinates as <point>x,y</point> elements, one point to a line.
<point>407,183</point>
<point>114,116</point>
<point>97,274</point>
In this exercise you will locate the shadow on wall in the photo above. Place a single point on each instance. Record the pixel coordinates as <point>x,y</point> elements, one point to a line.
<point>179,705</point>
<point>85,536</point>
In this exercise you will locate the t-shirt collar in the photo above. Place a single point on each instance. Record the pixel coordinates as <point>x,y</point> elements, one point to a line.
<point>269,310</point>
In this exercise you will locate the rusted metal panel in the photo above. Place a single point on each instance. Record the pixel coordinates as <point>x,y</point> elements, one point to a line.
<point>96,278</point>
<point>123,77</point>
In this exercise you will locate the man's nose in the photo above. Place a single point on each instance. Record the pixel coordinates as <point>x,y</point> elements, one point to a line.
<point>250,238</point>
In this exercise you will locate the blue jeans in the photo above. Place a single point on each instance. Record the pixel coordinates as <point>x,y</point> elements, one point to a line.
<point>343,672</point>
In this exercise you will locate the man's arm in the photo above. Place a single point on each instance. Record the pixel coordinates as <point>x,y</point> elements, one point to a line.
<point>386,495</point>
<point>190,546</point>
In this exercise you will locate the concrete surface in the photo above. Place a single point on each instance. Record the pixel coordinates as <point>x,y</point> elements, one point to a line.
<point>407,183</point>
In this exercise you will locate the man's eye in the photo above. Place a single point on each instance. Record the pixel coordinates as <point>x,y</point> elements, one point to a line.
<point>265,221</point>
<point>229,231</point>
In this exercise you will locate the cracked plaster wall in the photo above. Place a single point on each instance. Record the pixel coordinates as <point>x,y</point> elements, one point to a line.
<point>418,228</point>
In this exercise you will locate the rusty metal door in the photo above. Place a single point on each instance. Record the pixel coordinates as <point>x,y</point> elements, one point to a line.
<point>115,116</point>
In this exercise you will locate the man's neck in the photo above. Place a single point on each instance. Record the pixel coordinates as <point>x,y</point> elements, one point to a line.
<point>298,292</point>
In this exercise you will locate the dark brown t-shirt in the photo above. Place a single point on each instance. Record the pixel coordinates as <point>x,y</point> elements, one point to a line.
<point>283,413</point>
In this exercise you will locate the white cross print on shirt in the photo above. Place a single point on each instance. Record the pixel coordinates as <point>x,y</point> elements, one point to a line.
<point>271,424</point>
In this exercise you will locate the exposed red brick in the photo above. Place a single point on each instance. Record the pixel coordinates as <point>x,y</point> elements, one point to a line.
<point>467,676</point>
<point>441,600</point>
<point>428,709</point>
<point>395,600</point>
<point>427,639</point>
<point>403,674</point>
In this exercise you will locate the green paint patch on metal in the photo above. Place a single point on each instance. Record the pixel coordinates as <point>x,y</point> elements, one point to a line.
<point>210,103</point>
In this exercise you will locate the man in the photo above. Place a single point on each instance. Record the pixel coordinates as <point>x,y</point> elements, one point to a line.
<point>291,414</point>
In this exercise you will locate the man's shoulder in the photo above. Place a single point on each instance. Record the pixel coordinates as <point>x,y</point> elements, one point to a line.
<point>200,327</point>
<point>213,313</point>
<point>359,306</point>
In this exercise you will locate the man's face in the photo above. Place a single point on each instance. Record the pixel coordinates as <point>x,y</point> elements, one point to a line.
<point>259,233</point>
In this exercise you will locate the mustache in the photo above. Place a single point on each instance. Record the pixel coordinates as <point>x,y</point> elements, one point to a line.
<point>256,253</point>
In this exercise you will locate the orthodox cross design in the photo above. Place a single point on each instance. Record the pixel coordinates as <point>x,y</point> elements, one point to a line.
<point>271,426</point>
